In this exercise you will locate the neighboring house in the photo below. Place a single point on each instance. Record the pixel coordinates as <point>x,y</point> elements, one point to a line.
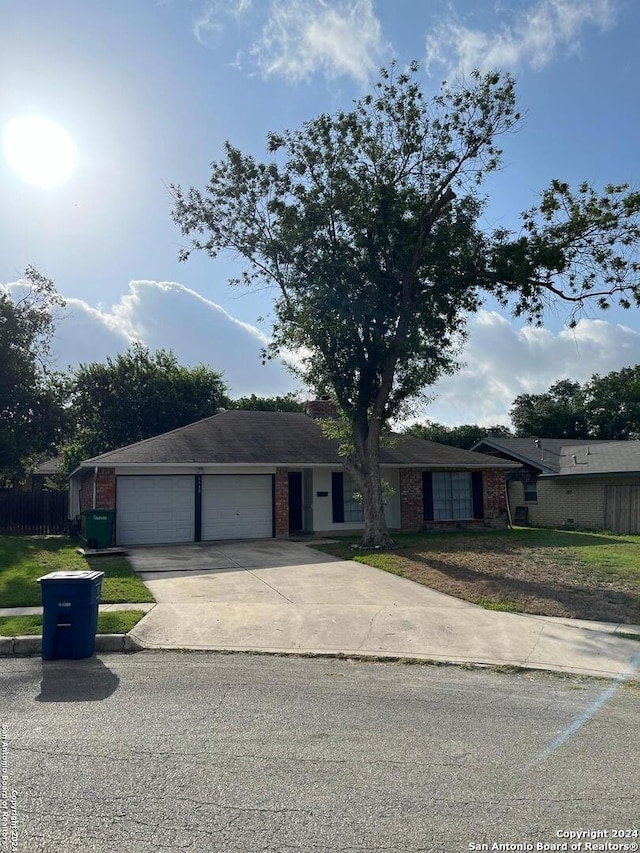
<point>586,484</point>
<point>246,475</point>
<point>36,481</point>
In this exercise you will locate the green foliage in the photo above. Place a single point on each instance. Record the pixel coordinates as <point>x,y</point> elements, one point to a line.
<point>577,245</point>
<point>359,227</point>
<point>558,413</point>
<point>284,403</point>
<point>31,413</point>
<point>134,396</point>
<point>464,436</point>
<point>367,225</point>
<point>612,404</point>
<point>605,407</point>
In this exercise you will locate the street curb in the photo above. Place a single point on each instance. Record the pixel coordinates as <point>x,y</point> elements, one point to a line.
<point>31,646</point>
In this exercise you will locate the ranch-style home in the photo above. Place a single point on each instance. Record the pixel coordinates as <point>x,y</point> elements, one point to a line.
<point>250,475</point>
<point>592,485</point>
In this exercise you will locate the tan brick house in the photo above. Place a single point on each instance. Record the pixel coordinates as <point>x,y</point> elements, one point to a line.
<point>249,475</point>
<point>591,485</point>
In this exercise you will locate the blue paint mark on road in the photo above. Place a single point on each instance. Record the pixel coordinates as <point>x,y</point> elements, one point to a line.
<point>591,711</point>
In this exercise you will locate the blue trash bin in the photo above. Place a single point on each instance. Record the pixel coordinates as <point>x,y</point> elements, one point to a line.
<point>70,614</point>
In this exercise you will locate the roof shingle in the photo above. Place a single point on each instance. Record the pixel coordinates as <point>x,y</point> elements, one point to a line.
<point>276,438</point>
<point>554,457</point>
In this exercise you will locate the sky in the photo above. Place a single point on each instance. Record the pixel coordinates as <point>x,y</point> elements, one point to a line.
<point>129,97</point>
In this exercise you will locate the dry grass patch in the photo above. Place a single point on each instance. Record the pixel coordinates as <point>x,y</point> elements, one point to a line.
<point>545,572</point>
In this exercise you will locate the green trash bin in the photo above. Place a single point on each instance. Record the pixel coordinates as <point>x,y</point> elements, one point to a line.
<point>98,527</point>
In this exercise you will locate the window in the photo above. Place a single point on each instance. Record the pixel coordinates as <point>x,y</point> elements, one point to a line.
<point>452,495</point>
<point>345,507</point>
<point>353,509</point>
<point>530,492</point>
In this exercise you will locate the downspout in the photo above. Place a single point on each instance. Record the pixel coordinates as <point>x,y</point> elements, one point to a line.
<point>95,477</point>
<point>506,497</point>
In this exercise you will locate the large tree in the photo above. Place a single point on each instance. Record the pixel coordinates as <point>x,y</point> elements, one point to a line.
<point>279,403</point>
<point>366,222</point>
<point>558,413</point>
<point>31,413</point>
<point>606,407</point>
<point>464,435</point>
<point>612,404</point>
<point>136,395</point>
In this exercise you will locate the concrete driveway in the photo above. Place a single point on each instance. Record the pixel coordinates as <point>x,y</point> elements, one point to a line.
<point>275,596</point>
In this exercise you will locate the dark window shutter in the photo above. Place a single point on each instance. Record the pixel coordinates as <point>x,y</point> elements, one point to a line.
<point>427,496</point>
<point>337,496</point>
<point>476,489</point>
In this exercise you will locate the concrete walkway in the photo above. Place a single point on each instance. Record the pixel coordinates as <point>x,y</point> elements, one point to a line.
<point>103,608</point>
<point>284,597</point>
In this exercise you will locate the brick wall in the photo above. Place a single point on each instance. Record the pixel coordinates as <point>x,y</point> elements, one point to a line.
<point>411,505</point>
<point>494,498</point>
<point>321,409</point>
<point>106,488</point>
<point>571,502</point>
<point>86,493</point>
<point>565,502</point>
<point>282,502</point>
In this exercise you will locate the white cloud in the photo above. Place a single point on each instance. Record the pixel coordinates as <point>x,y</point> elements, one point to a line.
<point>211,21</point>
<point>302,37</point>
<point>503,361</point>
<point>534,37</point>
<point>167,315</point>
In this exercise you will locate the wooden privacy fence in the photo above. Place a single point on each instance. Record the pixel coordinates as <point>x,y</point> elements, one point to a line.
<point>34,513</point>
<point>622,509</point>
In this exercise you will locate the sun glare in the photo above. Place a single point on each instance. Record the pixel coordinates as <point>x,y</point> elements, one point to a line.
<point>39,151</point>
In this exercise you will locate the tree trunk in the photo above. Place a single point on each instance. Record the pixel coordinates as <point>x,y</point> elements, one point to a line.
<point>366,472</point>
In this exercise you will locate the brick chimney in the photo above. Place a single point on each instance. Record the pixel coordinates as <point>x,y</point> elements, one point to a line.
<point>322,408</point>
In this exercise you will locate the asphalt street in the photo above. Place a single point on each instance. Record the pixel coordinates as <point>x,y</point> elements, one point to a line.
<point>210,752</point>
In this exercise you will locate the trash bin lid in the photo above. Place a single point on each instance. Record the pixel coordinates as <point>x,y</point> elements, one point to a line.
<point>84,575</point>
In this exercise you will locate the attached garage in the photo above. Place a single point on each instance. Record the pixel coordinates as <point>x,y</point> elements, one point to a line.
<point>155,509</point>
<point>237,506</point>
<point>257,475</point>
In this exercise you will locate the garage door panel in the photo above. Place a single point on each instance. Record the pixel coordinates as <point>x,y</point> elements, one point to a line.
<point>237,506</point>
<point>155,509</point>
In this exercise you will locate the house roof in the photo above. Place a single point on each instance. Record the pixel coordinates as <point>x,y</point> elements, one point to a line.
<point>607,457</point>
<point>276,438</point>
<point>49,466</point>
<point>554,457</point>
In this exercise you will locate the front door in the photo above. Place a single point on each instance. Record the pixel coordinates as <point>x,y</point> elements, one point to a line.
<point>295,501</point>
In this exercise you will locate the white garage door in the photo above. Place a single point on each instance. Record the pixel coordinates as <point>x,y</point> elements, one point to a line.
<point>155,510</point>
<point>237,506</point>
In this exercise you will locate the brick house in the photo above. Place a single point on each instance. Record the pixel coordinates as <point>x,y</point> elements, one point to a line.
<point>250,475</point>
<point>592,485</point>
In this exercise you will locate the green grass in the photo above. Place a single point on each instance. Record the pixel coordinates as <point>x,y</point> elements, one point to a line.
<point>23,559</point>
<point>505,606</point>
<point>604,555</point>
<point>112,622</point>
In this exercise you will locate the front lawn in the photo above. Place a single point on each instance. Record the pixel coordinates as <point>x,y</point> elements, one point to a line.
<point>112,622</point>
<point>547,572</point>
<point>23,559</point>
